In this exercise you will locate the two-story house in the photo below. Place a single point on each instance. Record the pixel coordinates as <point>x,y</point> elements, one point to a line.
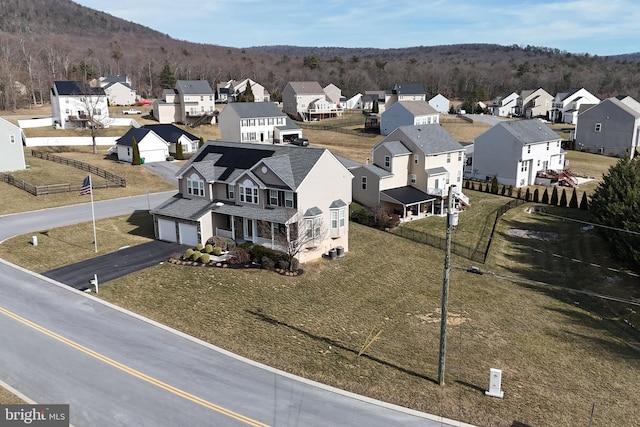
<point>411,172</point>
<point>515,151</point>
<point>440,103</point>
<point>265,194</point>
<point>234,91</point>
<point>191,102</point>
<point>119,90</point>
<point>307,101</point>
<point>505,105</point>
<point>406,113</point>
<point>405,92</point>
<point>534,103</point>
<point>78,105</point>
<point>256,122</point>
<point>11,136</point>
<point>611,127</point>
<point>566,105</point>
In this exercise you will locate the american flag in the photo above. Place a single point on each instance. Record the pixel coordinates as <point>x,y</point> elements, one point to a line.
<point>86,186</point>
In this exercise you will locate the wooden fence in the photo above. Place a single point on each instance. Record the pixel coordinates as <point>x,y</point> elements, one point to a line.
<point>110,177</point>
<point>41,190</point>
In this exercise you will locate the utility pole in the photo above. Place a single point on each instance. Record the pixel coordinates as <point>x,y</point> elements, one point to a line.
<point>445,288</point>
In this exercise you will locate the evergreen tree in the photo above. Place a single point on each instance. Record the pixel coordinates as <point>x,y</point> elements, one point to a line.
<point>535,196</point>
<point>376,108</point>
<point>545,197</point>
<point>136,160</point>
<point>201,143</point>
<point>584,203</point>
<point>167,78</point>
<point>504,190</point>
<point>615,204</point>
<point>519,194</point>
<point>527,194</point>
<point>563,198</point>
<point>494,185</point>
<point>179,153</point>
<point>248,93</point>
<point>573,203</point>
<point>554,197</point>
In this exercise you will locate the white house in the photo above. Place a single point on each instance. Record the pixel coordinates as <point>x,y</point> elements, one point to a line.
<point>256,122</point>
<point>566,105</point>
<point>411,172</point>
<point>404,113</point>
<point>233,91</point>
<point>514,151</point>
<point>12,158</point>
<point>334,93</point>
<point>354,103</point>
<point>78,105</point>
<point>152,147</point>
<point>505,105</point>
<point>119,93</point>
<point>440,103</point>
<point>192,102</point>
<point>307,101</point>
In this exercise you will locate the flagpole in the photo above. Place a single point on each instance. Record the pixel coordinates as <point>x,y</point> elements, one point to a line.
<point>93,217</point>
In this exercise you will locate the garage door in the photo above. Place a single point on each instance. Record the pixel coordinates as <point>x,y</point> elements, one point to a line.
<point>188,234</point>
<point>167,230</point>
<point>151,156</point>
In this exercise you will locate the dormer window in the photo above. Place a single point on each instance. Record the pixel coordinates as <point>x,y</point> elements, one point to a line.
<point>387,161</point>
<point>248,192</point>
<point>195,185</point>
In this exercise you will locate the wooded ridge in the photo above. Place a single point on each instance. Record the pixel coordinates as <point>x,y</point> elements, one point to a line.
<point>46,40</point>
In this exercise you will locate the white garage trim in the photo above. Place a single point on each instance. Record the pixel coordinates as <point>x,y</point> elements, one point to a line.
<point>167,230</point>
<point>188,234</point>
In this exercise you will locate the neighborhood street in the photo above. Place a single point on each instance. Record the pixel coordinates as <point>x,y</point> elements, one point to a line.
<point>116,368</point>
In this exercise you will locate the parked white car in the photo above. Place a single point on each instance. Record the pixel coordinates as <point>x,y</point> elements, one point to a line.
<point>131,111</point>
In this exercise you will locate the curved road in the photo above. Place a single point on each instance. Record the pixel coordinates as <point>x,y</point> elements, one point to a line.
<point>116,368</point>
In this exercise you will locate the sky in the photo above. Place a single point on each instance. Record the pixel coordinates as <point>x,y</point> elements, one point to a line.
<point>576,26</point>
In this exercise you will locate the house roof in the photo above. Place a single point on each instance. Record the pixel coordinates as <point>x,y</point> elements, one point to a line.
<point>408,88</point>
<point>527,131</point>
<point>114,79</point>
<point>184,208</point>
<point>194,87</point>
<point>125,84</point>
<point>407,195</point>
<point>67,87</point>
<point>396,148</point>
<point>311,88</point>
<point>170,132</point>
<point>225,161</point>
<point>430,138</point>
<point>417,108</point>
<point>246,110</point>
<point>137,133</point>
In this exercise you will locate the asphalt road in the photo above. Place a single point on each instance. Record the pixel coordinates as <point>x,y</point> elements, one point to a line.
<point>116,368</point>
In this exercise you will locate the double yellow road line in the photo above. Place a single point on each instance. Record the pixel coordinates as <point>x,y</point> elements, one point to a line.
<point>133,372</point>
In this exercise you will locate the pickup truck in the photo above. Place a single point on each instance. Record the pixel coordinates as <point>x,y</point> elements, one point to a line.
<point>131,111</point>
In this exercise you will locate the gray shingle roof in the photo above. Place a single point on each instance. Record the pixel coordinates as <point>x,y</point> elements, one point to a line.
<point>409,88</point>
<point>528,131</point>
<point>431,138</point>
<point>417,108</point>
<point>184,208</point>
<point>396,148</point>
<point>246,110</point>
<point>194,87</point>
<point>312,88</point>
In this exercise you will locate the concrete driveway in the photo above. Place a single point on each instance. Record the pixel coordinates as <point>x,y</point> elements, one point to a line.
<point>166,170</point>
<point>116,264</point>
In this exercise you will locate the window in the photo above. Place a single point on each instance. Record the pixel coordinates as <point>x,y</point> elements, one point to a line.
<point>416,158</point>
<point>273,197</point>
<point>231,194</point>
<point>12,139</point>
<point>528,149</point>
<point>524,167</point>
<point>364,182</point>
<point>387,161</point>
<point>448,157</point>
<point>288,199</point>
<point>248,193</point>
<point>312,227</point>
<point>412,178</point>
<point>261,122</point>
<point>459,177</point>
<point>459,156</point>
<point>195,186</point>
<point>201,98</point>
<point>547,146</point>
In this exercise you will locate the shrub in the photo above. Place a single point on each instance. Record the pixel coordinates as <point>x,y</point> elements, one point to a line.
<point>205,258</point>
<point>170,159</point>
<point>267,263</point>
<point>545,197</point>
<point>217,251</point>
<point>573,203</point>
<point>208,248</point>
<point>494,185</point>
<point>196,255</point>
<point>536,194</point>
<point>199,246</point>
<point>283,264</point>
<point>294,264</point>
<point>188,253</point>
<point>238,256</point>
<point>584,203</point>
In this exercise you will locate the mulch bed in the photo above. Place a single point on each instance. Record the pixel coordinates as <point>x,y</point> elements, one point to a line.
<point>218,264</point>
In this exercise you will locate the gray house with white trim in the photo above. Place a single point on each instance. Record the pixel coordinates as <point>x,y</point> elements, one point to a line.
<point>256,122</point>
<point>12,158</point>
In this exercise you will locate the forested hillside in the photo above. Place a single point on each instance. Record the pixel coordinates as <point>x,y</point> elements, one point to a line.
<point>46,40</point>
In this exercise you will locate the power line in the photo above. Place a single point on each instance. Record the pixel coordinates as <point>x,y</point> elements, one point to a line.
<point>589,223</point>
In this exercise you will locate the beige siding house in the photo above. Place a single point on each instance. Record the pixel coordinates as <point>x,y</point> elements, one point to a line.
<point>191,102</point>
<point>307,101</point>
<point>265,194</point>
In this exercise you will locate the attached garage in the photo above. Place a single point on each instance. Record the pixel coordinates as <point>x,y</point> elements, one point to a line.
<point>167,230</point>
<point>188,234</point>
<point>155,155</point>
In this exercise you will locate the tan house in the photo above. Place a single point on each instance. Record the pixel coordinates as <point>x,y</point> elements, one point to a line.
<point>191,102</point>
<point>234,90</point>
<point>534,103</point>
<point>265,194</point>
<point>307,101</point>
<point>411,172</point>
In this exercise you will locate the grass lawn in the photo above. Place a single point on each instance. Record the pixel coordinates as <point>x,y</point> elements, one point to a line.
<point>560,352</point>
